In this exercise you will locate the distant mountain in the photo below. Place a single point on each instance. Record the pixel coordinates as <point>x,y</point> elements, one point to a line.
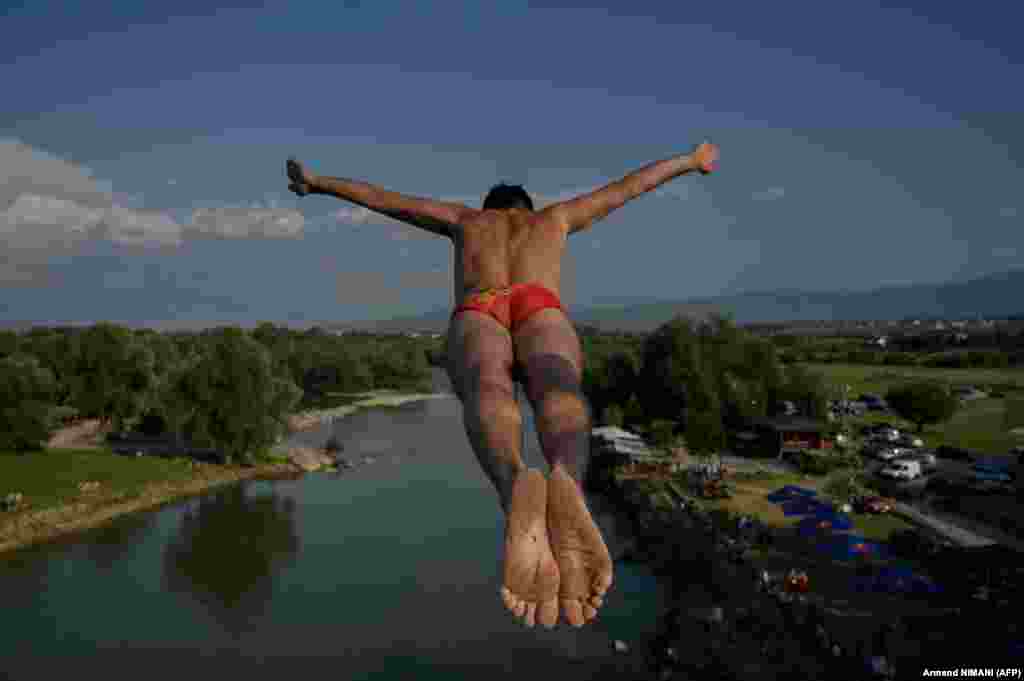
<point>993,295</point>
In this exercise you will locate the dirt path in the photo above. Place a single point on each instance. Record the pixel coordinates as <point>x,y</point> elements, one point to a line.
<point>85,434</point>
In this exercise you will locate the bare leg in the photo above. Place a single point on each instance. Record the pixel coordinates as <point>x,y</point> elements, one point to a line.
<point>549,350</point>
<point>480,355</point>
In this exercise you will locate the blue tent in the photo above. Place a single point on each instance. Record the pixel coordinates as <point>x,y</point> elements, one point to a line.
<point>802,506</point>
<point>814,526</point>
<point>836,521</point>
<point>789,493</point>
<point>849,546</point>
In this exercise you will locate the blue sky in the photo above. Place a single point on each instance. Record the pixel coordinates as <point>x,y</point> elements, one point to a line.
<point>142,150</point>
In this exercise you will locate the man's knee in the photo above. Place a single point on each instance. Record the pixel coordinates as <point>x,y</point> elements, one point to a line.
<point>563,408</point>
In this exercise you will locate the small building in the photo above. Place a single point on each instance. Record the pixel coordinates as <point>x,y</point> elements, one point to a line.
<point>775,436</point>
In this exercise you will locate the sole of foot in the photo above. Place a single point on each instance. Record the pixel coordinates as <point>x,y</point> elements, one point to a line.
<point>584,564</point>
<point>531,577</point>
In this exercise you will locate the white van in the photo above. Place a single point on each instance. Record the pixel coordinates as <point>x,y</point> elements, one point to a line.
<point>902,470</point>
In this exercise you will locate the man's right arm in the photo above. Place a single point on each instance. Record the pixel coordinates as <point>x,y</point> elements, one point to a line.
<point>582,211</point>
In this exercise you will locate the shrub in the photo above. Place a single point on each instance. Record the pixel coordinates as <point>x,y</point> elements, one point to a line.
<point>817,462</point>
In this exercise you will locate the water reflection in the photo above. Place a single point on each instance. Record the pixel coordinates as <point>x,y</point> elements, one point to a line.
<point>228,550</point>
<point>107,545</point>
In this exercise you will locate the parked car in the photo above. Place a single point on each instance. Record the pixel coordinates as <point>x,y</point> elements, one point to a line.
<point>871,504</point>
<point>885,434</point>
<point>901,469</point>
<point>980,472</point>
<point>886,453</point>
<point>908,440</point>
<point>926,459</point>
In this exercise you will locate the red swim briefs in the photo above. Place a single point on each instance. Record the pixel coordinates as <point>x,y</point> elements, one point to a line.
<point>511,305</point>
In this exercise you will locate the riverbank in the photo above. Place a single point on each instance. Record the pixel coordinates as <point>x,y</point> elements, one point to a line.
<point>94,503</point>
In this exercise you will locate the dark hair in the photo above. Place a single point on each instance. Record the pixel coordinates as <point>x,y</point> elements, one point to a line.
<point>504,196</point>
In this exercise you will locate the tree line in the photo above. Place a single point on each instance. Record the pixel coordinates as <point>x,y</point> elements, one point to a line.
<point>695,379</point>
<point>225,388</point>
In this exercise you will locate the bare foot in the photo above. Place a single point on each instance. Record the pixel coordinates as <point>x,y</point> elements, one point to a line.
<point>531,574</point>
<point>300,179</point>
<point>584,564</point>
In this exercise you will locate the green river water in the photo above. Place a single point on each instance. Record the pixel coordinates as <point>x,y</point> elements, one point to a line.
<point>388,571</point>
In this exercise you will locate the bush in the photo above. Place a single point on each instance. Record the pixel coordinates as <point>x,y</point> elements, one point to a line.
<point>816,462</point>
<point>842,486</point>
<point>614,415</point>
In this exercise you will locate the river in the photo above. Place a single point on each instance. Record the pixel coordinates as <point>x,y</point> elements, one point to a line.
<point>387,571</point>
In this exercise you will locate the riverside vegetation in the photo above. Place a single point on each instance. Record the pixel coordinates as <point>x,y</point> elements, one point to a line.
<point>228,390</point>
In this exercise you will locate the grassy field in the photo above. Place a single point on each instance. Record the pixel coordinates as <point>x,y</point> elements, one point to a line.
<point>977,425</point>
<point>751,498</point>
<point>53,504</point>
<point>51,477</point>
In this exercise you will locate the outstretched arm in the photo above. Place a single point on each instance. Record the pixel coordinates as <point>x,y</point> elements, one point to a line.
<point>582,211</point>
<point>439,217</point>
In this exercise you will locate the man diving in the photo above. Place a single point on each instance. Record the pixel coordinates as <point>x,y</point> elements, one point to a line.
<point>508,326</point>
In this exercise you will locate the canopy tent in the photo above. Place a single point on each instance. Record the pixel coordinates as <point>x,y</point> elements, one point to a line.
<point>804,506</point>
<point>790,492</point>
<point>834,519</point>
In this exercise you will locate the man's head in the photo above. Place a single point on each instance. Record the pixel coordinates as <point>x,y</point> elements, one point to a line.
<point>503,196</point>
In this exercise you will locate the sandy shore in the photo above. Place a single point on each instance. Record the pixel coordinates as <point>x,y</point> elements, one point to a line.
<point>29,527</point>
<point>308,420</point>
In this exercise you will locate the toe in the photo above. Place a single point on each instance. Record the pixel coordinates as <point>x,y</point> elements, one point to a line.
<point>508,599</point>
<point>603,583</point>
<point>530,618</point>
<point>573,612</point>
<point>589,612</point>
<point>596,601</point>
<point>520,608</point>
<point>547,613</point>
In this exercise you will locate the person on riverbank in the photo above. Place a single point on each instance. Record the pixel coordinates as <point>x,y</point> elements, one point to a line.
<point>510,326</point>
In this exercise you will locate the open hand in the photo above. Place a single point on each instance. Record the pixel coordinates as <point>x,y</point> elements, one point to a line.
<point>300,179</point>
<point>706,157</point>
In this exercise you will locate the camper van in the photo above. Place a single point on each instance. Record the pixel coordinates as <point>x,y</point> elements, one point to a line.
<point>902,470</point>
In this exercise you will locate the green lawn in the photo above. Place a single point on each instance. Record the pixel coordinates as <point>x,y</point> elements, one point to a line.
<point>751,498</point>
<point>977,425</point>
<point>51,477</point>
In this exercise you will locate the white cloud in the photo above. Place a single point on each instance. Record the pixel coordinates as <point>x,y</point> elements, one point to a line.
<point>50,207</point>
<point>770,194</point>
<point>234,222</point>
<point>1008,212</point>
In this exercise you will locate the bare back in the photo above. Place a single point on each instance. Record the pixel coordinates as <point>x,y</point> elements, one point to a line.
<point>498,248</point>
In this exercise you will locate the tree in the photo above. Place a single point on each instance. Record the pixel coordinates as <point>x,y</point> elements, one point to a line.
<point>232,397</point>
<point>112,373</point>
<point>669,362</point>
<point>806,389</point>
<point>26,403</point>
<point>1013,413</point>
<point>922,403</point>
